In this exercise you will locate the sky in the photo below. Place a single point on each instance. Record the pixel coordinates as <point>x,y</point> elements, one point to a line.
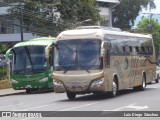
<point>157,10</point>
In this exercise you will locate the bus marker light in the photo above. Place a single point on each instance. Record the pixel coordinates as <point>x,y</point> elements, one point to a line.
<point>57,83</point>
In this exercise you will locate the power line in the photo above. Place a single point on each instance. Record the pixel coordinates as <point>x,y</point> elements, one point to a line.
<point>33,14</point>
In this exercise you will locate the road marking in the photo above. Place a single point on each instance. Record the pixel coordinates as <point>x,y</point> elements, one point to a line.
<point>131,106</point>
<point>66,109</point>
<point>78,106</point>
<point>123,107</point>
<point>11,105</point>
<point>137,107</point>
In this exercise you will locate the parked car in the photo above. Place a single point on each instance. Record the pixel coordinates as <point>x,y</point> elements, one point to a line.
<point>157,74</point>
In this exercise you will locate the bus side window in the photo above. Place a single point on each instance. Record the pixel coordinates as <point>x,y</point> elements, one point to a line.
<point>147,50</point>
<point>123,49</point>
<point>130,49</point>
<point>127,49</point>
<point>115,49</point>
<point>137,49</point>
<point>150,50</point>
<point>142,49</point>
<point>107,57</point>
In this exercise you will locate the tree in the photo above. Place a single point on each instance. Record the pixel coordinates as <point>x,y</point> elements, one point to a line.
<point>126,12</point>
<point>4,47</point>
<point>152,26</point>
<point>49,17</point>
<point>78,10</point>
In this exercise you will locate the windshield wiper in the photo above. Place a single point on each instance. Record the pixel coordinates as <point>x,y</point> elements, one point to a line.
<point>67,69</point>
<point>84,67</point>
<point>79,65</point>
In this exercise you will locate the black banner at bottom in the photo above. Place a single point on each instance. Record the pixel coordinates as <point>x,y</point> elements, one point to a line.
<point>26,114</point>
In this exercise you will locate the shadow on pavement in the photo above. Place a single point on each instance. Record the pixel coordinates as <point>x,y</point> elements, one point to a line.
<point>11,94</point>
<point>104,96</point>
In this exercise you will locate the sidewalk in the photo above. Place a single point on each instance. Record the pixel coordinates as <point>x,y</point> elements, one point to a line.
<point>10,91</point>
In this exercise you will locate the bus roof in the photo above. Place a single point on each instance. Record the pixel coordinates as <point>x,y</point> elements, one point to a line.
<point>37,41</point>
<point>92,32</point>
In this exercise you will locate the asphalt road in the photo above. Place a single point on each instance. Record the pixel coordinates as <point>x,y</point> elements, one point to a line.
<point>127,100</point>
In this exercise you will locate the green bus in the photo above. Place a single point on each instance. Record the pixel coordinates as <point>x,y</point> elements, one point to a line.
<point>30,64</point>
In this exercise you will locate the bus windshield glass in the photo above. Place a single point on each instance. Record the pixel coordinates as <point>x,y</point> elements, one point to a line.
<point>29,60</point>
<point>82,54</point>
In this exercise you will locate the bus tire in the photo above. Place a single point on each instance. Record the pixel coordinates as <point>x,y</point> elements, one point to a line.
<point>157,79</point>
<point>114,91</point>
<point>71,95</point>
<point>28,91</point>
<point>141,87</point>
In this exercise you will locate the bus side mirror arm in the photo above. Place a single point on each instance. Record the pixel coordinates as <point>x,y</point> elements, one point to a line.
<point>102,52</point>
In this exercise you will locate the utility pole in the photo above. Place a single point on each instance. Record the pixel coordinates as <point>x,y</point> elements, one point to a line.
<point>21,20</point>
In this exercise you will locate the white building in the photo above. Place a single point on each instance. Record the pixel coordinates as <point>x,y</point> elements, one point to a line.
<point>9,28</point>
<point>106,7</point>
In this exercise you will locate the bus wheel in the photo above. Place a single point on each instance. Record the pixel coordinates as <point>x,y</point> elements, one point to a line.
<point>71,96</point>
<point>141,87</point>
<point>157,79</point>
<point>28,91</point>
<point>114,91</point>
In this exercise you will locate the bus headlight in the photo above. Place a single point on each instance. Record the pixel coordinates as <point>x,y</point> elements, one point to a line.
<point>14,81</point>
<point>58,86</point>
<point>57,83</point>
<point>44,79</point>
<point>97,82</point>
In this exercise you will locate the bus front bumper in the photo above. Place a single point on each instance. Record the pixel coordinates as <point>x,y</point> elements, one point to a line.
<point>29,84</point>
<point>94,86</point>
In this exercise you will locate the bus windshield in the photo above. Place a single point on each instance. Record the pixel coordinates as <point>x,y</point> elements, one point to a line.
<point>77,55</point>
<point>29,60</point>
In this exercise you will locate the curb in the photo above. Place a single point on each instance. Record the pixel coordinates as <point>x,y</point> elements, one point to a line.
<point>10,91</point>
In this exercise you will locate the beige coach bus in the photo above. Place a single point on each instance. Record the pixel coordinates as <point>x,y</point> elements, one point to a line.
<point>98,60</point>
